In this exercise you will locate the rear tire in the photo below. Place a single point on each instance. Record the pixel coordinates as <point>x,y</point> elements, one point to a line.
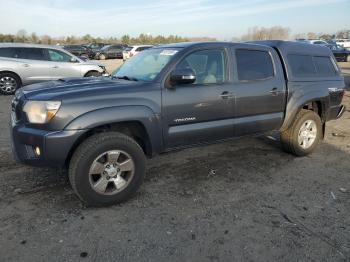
<point>9,83</point>
<point>92,163</point>
<point>93,74</point>
<point>348,58</point>
<point>302,137</point>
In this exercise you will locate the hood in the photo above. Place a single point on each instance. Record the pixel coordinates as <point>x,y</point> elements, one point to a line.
<point>82,86</point>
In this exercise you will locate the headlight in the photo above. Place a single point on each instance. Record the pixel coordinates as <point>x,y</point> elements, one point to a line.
<point>41,112</point>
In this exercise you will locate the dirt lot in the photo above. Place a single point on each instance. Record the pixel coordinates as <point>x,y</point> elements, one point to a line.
<point>243,200</point>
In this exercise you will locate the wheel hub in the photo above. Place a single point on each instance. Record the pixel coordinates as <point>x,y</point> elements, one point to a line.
<point>111,172</point>
<point>307,134</point>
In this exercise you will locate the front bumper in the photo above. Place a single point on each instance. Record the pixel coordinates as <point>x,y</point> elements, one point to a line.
<point>54,146</point>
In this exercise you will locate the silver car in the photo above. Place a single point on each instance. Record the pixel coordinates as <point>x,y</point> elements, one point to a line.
<point>23,64</point>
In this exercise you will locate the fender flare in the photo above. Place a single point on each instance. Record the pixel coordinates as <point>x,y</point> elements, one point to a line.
<point>118,114</point>
<point>299,99</point>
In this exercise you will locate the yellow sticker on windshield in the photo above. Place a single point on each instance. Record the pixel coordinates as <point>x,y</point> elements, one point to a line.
<point>168,52</point>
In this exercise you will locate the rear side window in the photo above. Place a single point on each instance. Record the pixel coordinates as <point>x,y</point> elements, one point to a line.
<point>7,52</point>
<point>254,65</point>
<point>32,53</point>
<point>324,66</point>
<point>302,65</point>
<point>311,66</point>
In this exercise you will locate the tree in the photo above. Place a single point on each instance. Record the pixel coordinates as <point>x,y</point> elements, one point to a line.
<point>21,36</point>
<point>311,35</point>
<point>125,39</point>
<point>34,38</point>
<point>262,33</point>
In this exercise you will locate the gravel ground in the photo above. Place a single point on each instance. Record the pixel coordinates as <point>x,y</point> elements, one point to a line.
<point>243,200</point>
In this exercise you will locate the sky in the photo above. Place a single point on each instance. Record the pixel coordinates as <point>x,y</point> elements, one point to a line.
<point>190,18</point>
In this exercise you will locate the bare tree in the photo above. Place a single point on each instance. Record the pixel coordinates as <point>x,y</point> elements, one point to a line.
<point>263,33</point>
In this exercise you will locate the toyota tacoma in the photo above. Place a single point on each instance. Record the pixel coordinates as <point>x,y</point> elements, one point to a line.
<point>170,97</point>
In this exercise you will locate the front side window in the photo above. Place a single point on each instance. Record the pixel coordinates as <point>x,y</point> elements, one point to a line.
<point>147,65</point>
<point>208,65</point>
<point>59,56</point>
<point>254,65</point>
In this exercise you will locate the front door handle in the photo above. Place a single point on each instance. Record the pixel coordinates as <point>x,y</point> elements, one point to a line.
<point>226,95</point>
<point>55,66</point>
<point>25,65</point>
<point>274,91</point>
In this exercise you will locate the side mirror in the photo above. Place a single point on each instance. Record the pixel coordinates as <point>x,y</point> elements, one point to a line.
<point>73,60</point>
<point>183,76</point>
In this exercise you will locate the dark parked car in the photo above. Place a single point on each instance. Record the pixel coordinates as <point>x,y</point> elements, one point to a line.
<point>340,53</point>
<point>110,51</point>
<point>170,97</point>
<point>80,51</point>
<point>96,46</point>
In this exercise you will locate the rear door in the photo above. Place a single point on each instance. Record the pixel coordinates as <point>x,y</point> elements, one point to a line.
<point>259,90</point>
<point>33,65</point>
<point>203,111</point>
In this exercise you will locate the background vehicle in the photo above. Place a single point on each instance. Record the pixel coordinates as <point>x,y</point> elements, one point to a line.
<point>340,53</point>
<point>23,64</point>
<point>343,42</point>
<point>134,50</point>
<point>170,97</point>
<point>110,51</point>
<point>313,41</point>
<point>96,46</point>
<point>79,50</point>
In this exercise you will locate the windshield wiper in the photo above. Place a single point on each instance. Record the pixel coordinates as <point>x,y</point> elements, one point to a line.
<point>127,78</point>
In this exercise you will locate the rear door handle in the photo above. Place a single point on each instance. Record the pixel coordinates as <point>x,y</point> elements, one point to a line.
<point>55,66</point>
<point>226,95</point>
<point>274,91</point>
<point>25,65</point>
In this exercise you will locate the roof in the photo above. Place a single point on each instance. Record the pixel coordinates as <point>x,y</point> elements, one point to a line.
<point>29,45</point>
<point>192,44</point>
<point>287,47</point>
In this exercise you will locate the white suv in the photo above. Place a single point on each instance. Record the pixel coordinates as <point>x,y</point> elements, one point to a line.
<point>23,64</point>
<point>134,50</point>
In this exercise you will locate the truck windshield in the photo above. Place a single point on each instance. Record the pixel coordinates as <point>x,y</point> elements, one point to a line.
<point>146,65</point>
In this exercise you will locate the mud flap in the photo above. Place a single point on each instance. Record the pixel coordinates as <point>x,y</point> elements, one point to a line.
<point>323,131</point>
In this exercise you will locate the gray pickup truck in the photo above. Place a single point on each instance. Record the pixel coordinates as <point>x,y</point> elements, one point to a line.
<point>170,97</point>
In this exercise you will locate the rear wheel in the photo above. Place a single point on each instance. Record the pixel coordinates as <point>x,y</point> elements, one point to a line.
<point>102,57</point>
<point>107,169</point>
<point>303,135</point>
<point>348,58</point>
<point>9,83</point>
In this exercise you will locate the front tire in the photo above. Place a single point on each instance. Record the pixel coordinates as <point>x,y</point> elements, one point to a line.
<point>107,169</point>
<point>302,137</point>
<point>93,74</point>
<point>102,57</point>
<point>9,83</point>
<point>348,58</point>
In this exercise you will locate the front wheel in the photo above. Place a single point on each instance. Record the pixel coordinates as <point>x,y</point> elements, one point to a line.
<point>348,58</point>
<point>107,169</point>
<point>302,137</point>
<point>9,83</point>
<point>93,74</point>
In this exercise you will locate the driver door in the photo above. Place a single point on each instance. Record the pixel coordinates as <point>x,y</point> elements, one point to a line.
<point>61,65</point>
<point>202,111</point>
